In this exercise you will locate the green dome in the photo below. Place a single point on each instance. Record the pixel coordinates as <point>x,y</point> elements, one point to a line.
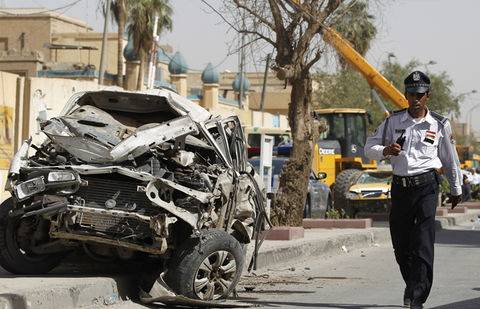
<point>162,56</point>
<point>177,65</point>
<point>236,83</point>
<point>210,75</point>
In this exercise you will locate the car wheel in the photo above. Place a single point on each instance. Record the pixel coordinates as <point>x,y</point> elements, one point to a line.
<point>15,239</point>
<point>307,209</point>
<point>208,267</point>
<point>329,206</point>
<point>343,182</point>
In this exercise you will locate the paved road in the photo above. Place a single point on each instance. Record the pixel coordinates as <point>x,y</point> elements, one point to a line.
<point>367,279</point>
<point>370,278</point>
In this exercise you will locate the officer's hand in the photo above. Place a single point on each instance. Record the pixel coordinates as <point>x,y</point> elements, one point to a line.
<point>455,199</point>
<point>393,150</point>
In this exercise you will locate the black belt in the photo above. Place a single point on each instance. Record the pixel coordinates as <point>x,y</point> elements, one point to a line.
<point>415,181</point>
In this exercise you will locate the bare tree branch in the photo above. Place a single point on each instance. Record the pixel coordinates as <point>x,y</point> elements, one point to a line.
<point>236,50</point>
<point>254,14</point>
<point>219,14</point>
<point>259,35</point>
<point>315,59</point>
<point>279,27</point>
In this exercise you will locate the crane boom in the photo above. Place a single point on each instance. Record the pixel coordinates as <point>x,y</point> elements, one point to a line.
<point>373,77</point>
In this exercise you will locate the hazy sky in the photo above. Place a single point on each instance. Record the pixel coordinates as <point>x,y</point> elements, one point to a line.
<point>445,31</point>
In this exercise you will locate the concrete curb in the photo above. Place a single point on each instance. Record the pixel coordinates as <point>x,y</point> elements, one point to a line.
<point>301,249</point>
<point>288,251</point>
<point>80,292</point>
<point>455,219</point>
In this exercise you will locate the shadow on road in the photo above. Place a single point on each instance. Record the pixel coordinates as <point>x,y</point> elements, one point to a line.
<point>459,238</point>
<point>320,305</point>
<point>473,303</point>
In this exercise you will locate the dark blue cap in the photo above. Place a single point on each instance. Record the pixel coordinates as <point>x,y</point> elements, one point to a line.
<point>417,82</point>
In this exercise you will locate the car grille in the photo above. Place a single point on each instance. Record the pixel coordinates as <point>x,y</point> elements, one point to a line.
<point>111,224</point>
<point>123,190</point>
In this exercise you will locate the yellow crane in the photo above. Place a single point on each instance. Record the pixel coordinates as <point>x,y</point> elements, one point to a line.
<point>372,75</point>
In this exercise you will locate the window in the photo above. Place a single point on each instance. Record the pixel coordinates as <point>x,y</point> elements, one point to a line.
<point>358,130</point>
<point>3,44</point>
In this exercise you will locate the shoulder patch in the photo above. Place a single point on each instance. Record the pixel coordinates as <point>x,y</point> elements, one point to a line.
<point>439,117</point>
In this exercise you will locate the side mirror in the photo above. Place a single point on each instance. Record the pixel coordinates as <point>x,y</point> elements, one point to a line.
<point>321,175</point>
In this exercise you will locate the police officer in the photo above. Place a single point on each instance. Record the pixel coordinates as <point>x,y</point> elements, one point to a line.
<point>418,142</point>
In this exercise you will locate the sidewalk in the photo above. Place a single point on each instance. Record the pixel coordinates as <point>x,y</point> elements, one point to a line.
<point>72,289</point>
<point>319,242</point>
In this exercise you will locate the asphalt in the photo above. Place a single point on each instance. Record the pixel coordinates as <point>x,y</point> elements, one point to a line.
<point>81,286</point>
<point>369,278</point>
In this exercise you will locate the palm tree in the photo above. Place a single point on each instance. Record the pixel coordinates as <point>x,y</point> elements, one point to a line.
<point>355,24</point>
<point>119,9</point>
<point>140,27</point>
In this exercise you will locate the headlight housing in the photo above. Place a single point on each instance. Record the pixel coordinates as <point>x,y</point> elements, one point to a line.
<point>59,176</point>
<point>30,187</point>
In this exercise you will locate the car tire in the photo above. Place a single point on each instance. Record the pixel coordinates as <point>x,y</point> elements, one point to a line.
<point>345,179</point>
<point>307,209</point>
<point>329,206</point>
<point>15,259</point>
<point>207,267</point>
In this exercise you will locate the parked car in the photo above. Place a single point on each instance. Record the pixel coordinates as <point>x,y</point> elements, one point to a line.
<point>319,198</point>
<point>123,173</point>
<point>281,137</point>
<point>371,192</point>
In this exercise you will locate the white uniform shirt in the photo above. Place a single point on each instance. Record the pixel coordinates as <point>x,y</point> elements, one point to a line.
<point>476,179</point>
<point>428,145</point>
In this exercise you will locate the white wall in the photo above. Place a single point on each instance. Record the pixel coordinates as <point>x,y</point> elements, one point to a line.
<point>46,98</point>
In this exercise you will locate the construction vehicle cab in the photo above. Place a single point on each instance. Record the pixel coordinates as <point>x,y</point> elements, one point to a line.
<point>341,142</point>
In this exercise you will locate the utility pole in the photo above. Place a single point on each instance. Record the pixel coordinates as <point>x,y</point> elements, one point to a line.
<point>242,59</point>
<point>103,56</point>
<point>242,63</point>
<point>262,100</point>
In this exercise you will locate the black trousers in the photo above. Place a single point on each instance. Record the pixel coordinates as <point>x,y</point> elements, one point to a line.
<point>412,227</point>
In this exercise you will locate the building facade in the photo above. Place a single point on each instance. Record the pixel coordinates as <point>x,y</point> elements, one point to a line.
<point>36,39</point>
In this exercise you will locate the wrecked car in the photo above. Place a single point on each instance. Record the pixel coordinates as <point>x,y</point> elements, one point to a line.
<point>126,173</point>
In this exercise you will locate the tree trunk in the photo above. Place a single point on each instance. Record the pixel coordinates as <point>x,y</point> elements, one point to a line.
<point>120,63</point>
<point>293,184</point>
<point>141,70</point>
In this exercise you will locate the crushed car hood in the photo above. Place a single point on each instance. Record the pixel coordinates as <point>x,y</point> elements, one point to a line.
<point>113,126</point>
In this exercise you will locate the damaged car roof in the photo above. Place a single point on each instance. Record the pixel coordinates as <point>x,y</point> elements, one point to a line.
<point>140,102</point>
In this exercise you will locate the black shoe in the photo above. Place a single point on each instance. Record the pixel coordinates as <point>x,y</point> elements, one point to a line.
<point>416,306</point>
<point>406,299</point>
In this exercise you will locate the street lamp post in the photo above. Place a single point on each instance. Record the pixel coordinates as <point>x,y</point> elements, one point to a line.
<point>470,110</point>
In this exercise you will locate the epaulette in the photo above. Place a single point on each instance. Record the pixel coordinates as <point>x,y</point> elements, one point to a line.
<point>439,117</point>
<point>399,111</point>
